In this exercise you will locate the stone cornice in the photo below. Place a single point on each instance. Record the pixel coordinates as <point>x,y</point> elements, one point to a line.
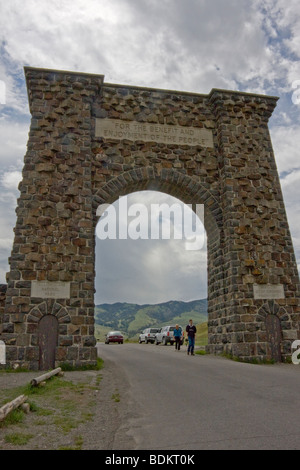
<point>28,69</point>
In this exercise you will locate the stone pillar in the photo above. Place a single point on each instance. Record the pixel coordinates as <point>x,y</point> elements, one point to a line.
<point>260,268</point>
<point>52,261</point>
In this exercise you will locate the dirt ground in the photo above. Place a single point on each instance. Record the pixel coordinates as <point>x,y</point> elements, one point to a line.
<point>83,410</point>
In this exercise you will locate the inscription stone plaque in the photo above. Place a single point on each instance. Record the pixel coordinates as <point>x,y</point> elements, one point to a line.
<point>50,289</point>
<point>159,133</point>
<point>268,291</point>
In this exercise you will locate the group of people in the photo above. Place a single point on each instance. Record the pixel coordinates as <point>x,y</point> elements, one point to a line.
<point>191,331</point>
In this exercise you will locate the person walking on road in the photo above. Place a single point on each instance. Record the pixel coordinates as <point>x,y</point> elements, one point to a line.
<point>177,335</point>
<point>191,333</point>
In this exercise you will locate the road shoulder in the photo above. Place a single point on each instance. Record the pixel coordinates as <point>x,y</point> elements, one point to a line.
<point>83,410</point>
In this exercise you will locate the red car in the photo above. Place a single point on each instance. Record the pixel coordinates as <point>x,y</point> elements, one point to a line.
<point>114,337</point>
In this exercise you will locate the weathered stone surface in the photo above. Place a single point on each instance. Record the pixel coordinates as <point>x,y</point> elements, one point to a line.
<point>70,168</point>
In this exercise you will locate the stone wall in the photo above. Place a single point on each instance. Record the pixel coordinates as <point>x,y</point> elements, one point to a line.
<point>258,247</point>
<point>54,229</point>
<point>91,142</point>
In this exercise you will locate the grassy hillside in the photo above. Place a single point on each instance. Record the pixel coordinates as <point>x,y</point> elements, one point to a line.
<point>131,319</point>
<point>202,334</point>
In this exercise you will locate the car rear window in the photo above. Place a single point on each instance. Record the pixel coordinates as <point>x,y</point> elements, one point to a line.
<point>154,330</point>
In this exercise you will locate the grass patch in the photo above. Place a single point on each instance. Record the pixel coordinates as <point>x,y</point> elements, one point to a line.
<point>116,397</point>
<point>87,416</point>
<point>200,352</point>
<point>287,360</point>
<point>253,360</point>
<point>44,412</point>
<point>11,370</point>
<point>78,442</point>
<point>17,438</point>
<point>33,406</point>
<point>52,386</point>
<point>65,423</point>
<point>14,417</point>
<point>99,378</point>
<point>40,422</point>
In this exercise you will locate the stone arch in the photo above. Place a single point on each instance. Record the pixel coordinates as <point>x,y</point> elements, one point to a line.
<point>189,191</point>
<point>49,307</point>
<point>91,142</point>
<point>271,307</point>
<point>170,181</point>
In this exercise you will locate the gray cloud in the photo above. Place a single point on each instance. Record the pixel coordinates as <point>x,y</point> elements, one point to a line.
<point>148,271</point>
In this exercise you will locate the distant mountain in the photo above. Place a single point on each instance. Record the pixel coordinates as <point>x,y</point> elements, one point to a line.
<point>131,319</point>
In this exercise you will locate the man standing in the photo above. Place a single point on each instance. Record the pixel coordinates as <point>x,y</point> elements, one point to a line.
<point>191,332</point>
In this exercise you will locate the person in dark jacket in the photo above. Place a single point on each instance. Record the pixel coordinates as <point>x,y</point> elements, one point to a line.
<point>191,333</point>
<point>177,336</point>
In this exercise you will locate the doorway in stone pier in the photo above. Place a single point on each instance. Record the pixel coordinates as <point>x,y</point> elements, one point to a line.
<point>48,339</point>
<point>274,337</point>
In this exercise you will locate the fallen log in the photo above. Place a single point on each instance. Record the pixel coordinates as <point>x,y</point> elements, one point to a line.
<point>35,382</point>
<point>12,405</point>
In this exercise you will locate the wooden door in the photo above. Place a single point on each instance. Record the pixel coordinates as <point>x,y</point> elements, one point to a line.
<point>273,329</point>
<point>48,337</point>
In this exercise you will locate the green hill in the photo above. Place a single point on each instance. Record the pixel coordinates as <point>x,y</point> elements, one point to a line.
<point>131,319</point>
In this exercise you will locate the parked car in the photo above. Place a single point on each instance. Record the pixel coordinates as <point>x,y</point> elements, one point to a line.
<point>114,337</point>
<point>148,335</point>
<point>166,335</point>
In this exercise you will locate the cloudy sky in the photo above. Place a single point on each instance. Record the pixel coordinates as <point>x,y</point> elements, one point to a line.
<point>192,45</point>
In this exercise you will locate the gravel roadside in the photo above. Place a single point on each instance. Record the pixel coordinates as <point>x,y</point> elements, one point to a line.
<point>84,410</point>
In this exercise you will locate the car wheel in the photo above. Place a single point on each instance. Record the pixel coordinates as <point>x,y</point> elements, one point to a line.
<point>140,342</point>
<point>156,342</point>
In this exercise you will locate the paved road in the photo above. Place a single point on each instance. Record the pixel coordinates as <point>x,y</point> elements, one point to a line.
<point>180,402</point>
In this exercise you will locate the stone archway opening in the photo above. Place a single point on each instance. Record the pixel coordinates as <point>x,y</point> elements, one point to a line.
<point>184,189</point>
<point>150,249</point>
